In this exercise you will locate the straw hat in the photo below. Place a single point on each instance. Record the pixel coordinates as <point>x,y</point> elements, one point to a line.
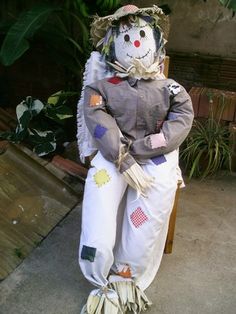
<point>100,25</point>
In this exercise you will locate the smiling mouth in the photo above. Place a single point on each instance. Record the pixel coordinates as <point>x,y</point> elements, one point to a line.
<point>139,57</point>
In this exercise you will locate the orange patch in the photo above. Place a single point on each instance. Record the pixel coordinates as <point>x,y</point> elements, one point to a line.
<point>125,272</point>
<point>95,100</point>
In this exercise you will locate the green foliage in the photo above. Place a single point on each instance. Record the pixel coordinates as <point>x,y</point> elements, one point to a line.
<point>41,124</point>
<point>107,5</point>
<point>230,4</point>
<point>44,142</point>
<point>62,27</point>
<point>207,147</point>
<point>16,41</point>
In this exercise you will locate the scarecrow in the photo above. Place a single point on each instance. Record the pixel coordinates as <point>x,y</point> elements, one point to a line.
<point>133,120</point>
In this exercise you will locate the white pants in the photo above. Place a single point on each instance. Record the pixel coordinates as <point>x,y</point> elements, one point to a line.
<point>121,231</point>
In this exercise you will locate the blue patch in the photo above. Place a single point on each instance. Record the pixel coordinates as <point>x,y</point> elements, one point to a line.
<point>159,160</point>
<point>99,131</point>
<point>88,253</point>
<point>172,116</point>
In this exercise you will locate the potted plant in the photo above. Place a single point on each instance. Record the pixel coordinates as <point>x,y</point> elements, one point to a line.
<point>40,125</point>
<point>207,148</point>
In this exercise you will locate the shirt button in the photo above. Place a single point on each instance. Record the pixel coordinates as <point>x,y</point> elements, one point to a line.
<point>141,96</point>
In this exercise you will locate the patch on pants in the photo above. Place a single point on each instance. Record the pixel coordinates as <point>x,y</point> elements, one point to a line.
<point>159,160</point>
<point>101,177</point>
<point>88,253</point>
<point>123,270</point>
<point>138,217</point>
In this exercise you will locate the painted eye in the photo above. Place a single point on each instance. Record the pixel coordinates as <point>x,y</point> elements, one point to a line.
<point>142,33</point>
<point>126,38</point>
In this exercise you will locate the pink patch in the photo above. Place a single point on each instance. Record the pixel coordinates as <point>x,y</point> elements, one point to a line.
<point>157,140</point>
<point>114,80</point>
<point>130,8</point>
<point>138,217</point>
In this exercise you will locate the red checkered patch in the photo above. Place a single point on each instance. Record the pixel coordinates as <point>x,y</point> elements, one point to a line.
<point>138,217</point>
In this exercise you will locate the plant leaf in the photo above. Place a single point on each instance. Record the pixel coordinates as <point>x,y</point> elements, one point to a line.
<point>16,41</point>
<point>44,148</point>
<point>53,99</point>
<point>26,110</point>
<point>60,50</point>
<point>206,148</point>
<point>23,116</point>
<point>44,141</point>
<point>230,4</point>
<point>58,113</point>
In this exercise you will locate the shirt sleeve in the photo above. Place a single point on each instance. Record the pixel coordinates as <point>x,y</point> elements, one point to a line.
<point>174,129</point>
<point>104,129</point>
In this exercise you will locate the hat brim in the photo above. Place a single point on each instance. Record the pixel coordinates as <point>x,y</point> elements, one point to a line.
<point>100,25</point>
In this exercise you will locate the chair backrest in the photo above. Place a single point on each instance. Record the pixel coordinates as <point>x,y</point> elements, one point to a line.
<point>166,67</point>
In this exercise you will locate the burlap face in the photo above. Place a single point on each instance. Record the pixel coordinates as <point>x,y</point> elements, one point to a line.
<point>135,40</point>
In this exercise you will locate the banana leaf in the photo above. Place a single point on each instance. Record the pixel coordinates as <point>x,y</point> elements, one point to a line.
<point>16,41</point>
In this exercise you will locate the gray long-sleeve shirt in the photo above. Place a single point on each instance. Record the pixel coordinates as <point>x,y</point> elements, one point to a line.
<point>154,116</point>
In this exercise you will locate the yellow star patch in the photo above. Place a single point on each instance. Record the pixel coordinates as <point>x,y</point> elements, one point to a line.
<point>101,177</point>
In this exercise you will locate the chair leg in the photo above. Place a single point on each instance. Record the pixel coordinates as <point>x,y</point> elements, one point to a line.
<point>171,229</point>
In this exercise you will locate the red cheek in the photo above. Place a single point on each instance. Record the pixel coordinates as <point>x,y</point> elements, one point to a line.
<point>137,43</point>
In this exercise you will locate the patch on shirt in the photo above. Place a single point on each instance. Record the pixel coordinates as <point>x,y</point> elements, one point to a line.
<point>99,131</point>
<point>88,253</point>
<point>159,160</point>
<point>95,100</point>
<point>172,116</point>
<point>138,217</point>
<point>101,177</point>
<point>157,140</point>
<point>123,270</point>
<point>114,80</point>
<point>174,89</point>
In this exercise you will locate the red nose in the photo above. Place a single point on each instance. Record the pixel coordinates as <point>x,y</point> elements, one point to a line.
<point>137,43</point>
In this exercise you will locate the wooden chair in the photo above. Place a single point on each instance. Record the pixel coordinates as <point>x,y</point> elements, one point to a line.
<point>171,229</point>
<point>172,221</point>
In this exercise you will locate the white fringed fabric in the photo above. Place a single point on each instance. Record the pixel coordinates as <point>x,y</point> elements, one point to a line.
<point>102,301</point>
<point>95,69</point>
<point>138,179</point>
<point>134,176</point>
<point>131,297</point>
